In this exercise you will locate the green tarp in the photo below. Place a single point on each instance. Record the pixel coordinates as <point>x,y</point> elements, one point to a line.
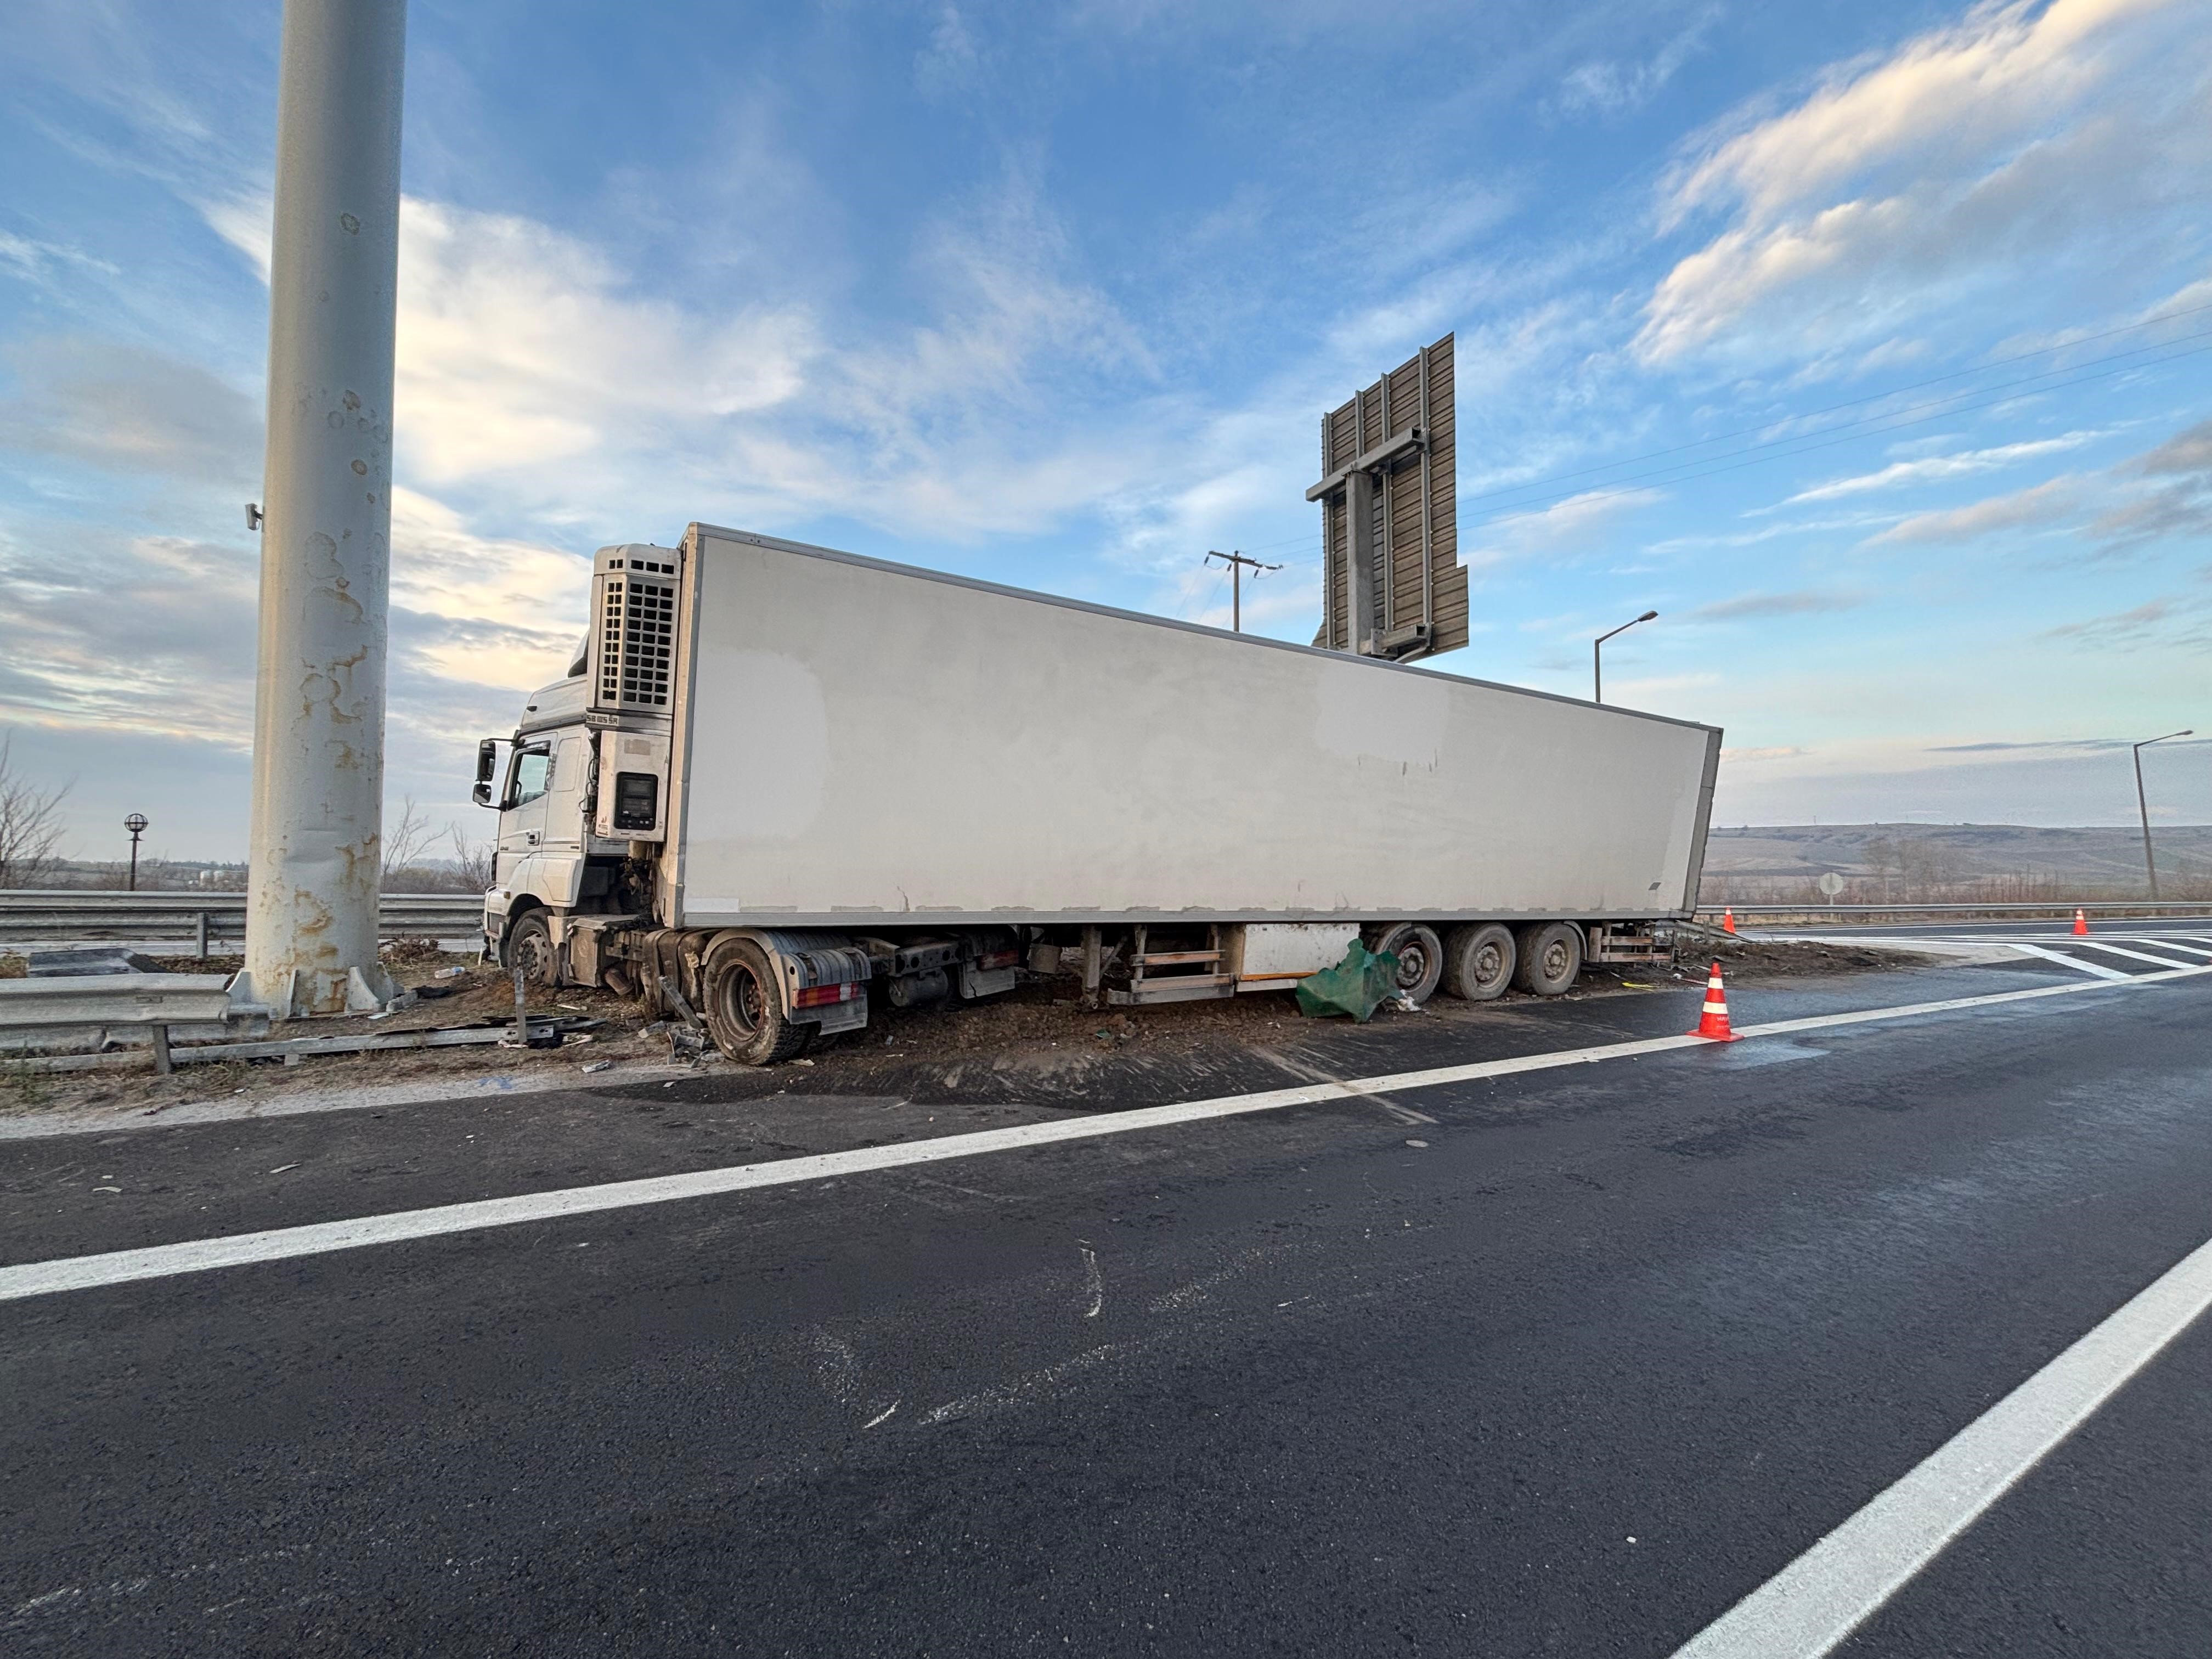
<point>1357,985</point>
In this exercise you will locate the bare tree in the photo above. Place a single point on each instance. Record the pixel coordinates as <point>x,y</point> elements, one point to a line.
<point>30,823</point>
<point>404,841</point>
<point>473,867</point>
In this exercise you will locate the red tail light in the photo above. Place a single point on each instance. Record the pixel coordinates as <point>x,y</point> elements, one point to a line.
<point>999,959</point>
<point>817,996</point>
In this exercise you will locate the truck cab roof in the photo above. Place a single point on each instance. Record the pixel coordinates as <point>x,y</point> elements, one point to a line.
<point>561,704</point>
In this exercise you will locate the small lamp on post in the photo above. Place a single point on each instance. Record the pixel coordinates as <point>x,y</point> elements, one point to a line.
<point>135,823</point>
<point>2142,805</point>
<point>1597,659</point>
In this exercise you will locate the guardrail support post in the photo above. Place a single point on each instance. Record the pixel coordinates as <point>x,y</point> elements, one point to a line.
<point>200,934</point>
<point>162,1064</point>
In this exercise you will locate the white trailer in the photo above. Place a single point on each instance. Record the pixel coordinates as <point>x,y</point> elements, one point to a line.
<point>779,778</point>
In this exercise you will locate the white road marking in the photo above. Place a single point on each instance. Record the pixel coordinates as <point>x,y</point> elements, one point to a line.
<point>2096,967</point>
<point>319,1238</point>
<point>2100,944</point>
<point>2165,944</point>
<point>1809,1606</point>
<point>1094,1282</point>
<point>881,1417</point>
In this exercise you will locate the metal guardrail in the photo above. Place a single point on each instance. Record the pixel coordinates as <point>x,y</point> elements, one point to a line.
<point>66,912</point>
<point>156,1003</point>
<point>2053,908</point>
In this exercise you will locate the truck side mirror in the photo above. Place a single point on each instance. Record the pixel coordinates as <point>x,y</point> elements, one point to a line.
<point>487,762</point>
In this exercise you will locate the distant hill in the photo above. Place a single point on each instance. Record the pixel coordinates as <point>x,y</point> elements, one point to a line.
<point>1783,860</point>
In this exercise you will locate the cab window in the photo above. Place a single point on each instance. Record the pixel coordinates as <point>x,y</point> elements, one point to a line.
<point>533,776</point>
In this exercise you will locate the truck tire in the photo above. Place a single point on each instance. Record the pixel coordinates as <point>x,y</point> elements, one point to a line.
<point>1551,958</point>
<point>530,947</point>
<point>1420,955</point>
<point>1479,961</point>
<point>744,1010</point>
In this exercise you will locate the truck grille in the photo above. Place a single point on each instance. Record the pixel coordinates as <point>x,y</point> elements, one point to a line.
<point>637,636</point>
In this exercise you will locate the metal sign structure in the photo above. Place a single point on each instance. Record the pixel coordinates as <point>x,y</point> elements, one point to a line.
<point>1391,581</point>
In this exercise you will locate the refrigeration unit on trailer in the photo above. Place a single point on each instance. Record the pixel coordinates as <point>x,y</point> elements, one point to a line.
<point>780,781</point>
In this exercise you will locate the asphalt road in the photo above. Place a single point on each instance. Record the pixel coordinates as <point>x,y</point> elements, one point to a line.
<point>1565,1362</point>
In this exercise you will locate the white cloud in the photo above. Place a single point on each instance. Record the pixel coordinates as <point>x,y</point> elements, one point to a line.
<point>1933,469</point>
<point>1614,87</point>
<point>2020,133</point>
<point>1579,525</point>
<point>127,409</point>
<point>2040,505</point>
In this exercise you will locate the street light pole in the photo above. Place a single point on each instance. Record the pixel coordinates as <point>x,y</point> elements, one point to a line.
<point>2142,805</point>
<point>1597,659</point>
<point>135,823</point>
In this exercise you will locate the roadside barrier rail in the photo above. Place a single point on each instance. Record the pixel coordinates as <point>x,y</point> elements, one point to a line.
<point>2057,908</point>
<point>154,1003</point>
<point>79,914</point>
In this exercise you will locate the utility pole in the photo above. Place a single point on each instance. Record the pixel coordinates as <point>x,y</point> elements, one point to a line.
<point>1597,661</point>
<point>311,912</point>
<point>135,823</point>
<point>2142,805</point>
<point>1236,563</point>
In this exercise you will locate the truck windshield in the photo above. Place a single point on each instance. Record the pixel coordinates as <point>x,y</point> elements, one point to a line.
<point>533,773</point>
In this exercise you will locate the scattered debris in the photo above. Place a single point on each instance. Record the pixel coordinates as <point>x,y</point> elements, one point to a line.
<point>281,1168</point>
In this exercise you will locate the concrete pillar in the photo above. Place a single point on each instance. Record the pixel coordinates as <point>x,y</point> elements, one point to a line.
<point>326,547</point>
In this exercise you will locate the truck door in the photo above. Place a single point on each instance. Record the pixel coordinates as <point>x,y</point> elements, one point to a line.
<point>522,818</point>
<point>558,872</point>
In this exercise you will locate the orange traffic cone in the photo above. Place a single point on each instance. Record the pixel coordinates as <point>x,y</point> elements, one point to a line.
<point>1713,1025</point>
<point>1728,919</point>
<point>2080,923</point>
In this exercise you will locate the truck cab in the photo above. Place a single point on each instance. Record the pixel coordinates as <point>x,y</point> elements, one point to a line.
<point>582,789</point>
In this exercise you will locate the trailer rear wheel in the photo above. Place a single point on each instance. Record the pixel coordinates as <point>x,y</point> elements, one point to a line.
<point>744,1010</point>
<point>1479,961</point>
<point>1420,955</point>
<point>1551,958</point>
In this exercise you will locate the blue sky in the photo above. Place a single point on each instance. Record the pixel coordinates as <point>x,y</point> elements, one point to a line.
<point>1908,306</point>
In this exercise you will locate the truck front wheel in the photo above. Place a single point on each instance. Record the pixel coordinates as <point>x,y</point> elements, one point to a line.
<point>1479,960</point>
<point>530,947</point>
<point>1551,958</point>
<point>744,1010</point>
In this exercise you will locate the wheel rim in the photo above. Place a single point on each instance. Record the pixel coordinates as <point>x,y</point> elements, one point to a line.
<point>741,999</point>
<point>1488,965</point>
<point>1557,959</point>
<point>1412,964</point>
<point>534,954</point>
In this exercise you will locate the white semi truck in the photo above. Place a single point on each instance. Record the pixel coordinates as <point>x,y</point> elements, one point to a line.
<point>780,781</point>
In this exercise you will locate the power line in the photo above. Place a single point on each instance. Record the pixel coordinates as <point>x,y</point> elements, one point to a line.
<point>1875,425</point>
<point>1756,452</point>
<point>1894,392</point>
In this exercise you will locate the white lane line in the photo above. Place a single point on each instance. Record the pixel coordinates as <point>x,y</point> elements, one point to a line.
<point>2096,967</point>
<point>317,1238</point>
<point>2165,944</point>
<point>1809,1606</point>
<point>2099,945</point>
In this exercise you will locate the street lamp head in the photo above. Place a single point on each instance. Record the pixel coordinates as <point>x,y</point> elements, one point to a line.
<point>135,823</point>
<point>1648,616</point>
